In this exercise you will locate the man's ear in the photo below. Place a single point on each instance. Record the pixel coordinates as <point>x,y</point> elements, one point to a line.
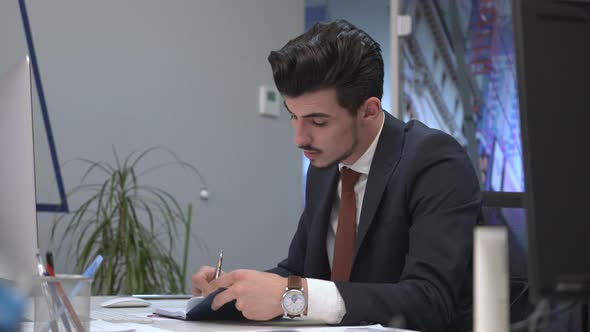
<point>371,108</point>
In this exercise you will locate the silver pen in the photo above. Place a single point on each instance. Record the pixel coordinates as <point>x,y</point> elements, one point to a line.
<point>219,262</point>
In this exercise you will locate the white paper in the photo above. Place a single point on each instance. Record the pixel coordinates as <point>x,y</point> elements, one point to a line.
<point>367,328</point>
<point>179,313</point>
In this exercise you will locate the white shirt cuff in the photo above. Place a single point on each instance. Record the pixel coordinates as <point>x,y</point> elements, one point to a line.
<point>324,301</point>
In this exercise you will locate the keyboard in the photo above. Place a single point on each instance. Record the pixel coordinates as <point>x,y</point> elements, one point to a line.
<point>117,317</point>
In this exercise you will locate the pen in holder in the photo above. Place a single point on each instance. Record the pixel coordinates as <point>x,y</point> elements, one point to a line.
<point>62,303</point>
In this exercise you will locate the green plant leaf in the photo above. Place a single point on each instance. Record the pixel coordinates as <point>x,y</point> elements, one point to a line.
<point>134,226</point>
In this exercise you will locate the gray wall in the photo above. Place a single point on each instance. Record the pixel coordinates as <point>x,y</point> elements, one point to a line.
<point>180,74</point>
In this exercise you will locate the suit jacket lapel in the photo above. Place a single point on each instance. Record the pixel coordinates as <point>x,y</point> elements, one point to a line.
<point>319,264</point>
<point>387,155</point>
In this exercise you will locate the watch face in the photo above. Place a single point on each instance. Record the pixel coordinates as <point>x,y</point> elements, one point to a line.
<point>293,302</point>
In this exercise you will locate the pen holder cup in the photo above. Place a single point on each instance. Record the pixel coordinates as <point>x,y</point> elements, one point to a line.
<point>62,303</point>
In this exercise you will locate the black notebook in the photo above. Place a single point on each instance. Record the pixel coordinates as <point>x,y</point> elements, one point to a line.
<point>199,308</point>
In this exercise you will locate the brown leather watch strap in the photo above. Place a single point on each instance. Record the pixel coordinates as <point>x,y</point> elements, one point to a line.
<point>294,282</point>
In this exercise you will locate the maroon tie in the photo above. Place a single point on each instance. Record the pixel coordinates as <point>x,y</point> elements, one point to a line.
<point>346,232</point>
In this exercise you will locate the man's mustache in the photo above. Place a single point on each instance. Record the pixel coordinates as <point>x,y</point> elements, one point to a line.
<point>308,148</point>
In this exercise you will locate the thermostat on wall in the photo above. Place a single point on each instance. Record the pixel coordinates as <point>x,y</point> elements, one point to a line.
<point>268,101</point>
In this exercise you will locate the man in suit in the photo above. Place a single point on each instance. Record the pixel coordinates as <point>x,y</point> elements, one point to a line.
<point>390,207</point>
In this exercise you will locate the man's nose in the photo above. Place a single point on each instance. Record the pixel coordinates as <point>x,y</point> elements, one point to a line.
<point>301,133</point>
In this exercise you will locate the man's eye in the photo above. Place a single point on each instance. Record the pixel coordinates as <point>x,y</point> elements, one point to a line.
<point>319,123</point>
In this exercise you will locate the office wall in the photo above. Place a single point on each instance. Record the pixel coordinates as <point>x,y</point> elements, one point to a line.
<point>180,74</point>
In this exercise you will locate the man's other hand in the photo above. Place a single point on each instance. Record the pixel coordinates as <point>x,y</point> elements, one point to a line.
<point>257,294</point>
<point>201,280</point>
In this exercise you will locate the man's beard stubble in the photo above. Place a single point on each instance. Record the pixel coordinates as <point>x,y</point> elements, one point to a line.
<point>338,160</point>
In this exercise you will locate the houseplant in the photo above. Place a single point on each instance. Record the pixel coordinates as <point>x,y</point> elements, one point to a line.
<point>133,225</point>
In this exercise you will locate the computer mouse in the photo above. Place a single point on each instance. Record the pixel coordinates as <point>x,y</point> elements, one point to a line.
<point>125,302</point>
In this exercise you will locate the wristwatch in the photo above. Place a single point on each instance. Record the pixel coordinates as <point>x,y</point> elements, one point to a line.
<point>294,301</point>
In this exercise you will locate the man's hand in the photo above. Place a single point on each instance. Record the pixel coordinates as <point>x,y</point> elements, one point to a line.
<point>257,294</point>
<point>201,281</point>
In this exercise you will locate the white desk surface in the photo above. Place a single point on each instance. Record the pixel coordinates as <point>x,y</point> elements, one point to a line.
<point>181,326</point>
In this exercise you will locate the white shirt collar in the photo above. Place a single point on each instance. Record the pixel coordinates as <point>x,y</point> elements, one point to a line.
<point>363,164</point>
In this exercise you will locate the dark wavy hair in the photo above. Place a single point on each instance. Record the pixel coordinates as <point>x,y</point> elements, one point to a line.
<point>330,55</point>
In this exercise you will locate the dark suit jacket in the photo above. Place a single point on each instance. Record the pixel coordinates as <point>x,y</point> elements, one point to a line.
<point>414,240</point>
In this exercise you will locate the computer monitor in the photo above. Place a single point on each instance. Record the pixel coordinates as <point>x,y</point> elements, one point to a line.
<point>553,70</point>
<point>18,218</point>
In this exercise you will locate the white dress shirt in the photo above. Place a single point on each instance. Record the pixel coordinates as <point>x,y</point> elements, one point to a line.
<point>324,300</point>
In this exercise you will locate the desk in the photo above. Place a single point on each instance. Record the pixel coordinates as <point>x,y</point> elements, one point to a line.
<point>181,326</point>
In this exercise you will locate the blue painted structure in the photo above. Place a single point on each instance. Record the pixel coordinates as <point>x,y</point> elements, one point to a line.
<point>62,206</point>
